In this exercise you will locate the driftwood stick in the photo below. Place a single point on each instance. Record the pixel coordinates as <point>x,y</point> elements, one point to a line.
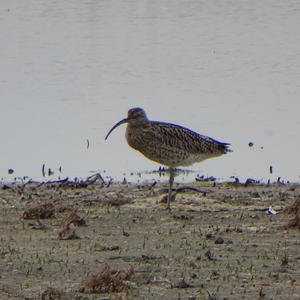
<point>203,190</point>
<point>93,178</point>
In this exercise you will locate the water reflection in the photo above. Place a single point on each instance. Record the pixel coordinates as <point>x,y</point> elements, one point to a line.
<point>70,69</point>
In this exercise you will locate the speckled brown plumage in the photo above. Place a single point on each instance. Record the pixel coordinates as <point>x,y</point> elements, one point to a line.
<point>172,145</point>
<point>168,144</point>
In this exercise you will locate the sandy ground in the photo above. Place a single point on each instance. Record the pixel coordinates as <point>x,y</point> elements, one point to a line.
<point>216,245</point>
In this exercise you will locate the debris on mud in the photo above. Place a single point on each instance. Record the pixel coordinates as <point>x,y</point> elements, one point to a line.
<point>99,247</point>
<point>210,236</point>
<point>212,296</point>
<point>164,198</point>
<point>73,218</point>
<point>209,255</point>
<point>38,225</point>
<point>107,280</point>
<point>294,215</point>
<point>42,211</point>
<point>115,200</point>
<point>182,284</point>
<point>251,181</point>
<point>202,178</point>
<point>270,211</point>
<point>219,240</point>
<point>52,294</point>
<point>182,216</point>
<point>285,260</point>
<point>64,208</point>
<point>125,233</point>
<point>68,233</point>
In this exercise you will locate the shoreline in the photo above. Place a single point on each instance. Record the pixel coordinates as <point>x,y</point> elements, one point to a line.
<point>218,239</point>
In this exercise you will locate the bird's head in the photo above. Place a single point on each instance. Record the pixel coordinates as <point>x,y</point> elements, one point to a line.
<point>136,117</point>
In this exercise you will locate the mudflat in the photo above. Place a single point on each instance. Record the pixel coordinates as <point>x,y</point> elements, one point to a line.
<point>70,240</point>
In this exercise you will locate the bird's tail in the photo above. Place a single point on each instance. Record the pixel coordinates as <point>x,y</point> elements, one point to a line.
<point>226,147</point>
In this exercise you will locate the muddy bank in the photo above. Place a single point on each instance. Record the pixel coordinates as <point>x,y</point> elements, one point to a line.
<point>72,241</point>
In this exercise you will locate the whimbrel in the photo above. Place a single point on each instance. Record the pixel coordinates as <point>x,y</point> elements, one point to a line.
<point>168,144</point>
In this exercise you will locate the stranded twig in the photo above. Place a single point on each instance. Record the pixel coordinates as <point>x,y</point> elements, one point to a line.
<point>93,178</point>
<point>186,188</point>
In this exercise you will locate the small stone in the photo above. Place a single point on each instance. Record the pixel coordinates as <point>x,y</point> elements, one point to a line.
<point>219,240</point>
<point>182,284</point>
<point>210,236</point>
<point>125,233</point>
<point>255,195</point>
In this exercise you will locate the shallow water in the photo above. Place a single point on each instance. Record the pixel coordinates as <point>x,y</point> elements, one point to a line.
<point>71,69</point>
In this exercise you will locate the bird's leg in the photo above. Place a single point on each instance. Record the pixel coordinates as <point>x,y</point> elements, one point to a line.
<point>171,180</point>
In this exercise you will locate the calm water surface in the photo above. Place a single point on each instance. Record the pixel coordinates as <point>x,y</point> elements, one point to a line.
<point>71,69</point>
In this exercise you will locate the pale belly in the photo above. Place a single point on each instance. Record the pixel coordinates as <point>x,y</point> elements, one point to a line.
<point>174,157</point>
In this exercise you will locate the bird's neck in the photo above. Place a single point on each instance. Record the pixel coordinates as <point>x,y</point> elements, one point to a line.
<point>140,123</point>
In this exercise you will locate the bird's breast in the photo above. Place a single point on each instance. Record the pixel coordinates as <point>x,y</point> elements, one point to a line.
<point>134,137</point>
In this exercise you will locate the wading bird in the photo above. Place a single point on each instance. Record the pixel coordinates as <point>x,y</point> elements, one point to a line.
<point>168,144</point>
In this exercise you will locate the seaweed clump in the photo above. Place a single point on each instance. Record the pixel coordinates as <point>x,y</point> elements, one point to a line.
<point>107,280</point>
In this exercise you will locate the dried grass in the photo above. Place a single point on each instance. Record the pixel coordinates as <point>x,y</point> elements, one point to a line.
<point>73,218</point>
<point>52,294</point>
<point>294,215</point>
<point>107,280</point>
<point>116,200</point>
<point>68,233</point>
<point>42,211</point>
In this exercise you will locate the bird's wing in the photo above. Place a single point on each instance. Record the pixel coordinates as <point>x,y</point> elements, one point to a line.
<point>182,138</point>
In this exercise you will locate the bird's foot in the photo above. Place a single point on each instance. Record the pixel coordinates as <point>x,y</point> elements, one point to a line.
<point>168,208</point>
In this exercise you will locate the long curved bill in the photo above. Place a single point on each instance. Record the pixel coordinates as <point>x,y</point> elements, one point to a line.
<point>116,125</point>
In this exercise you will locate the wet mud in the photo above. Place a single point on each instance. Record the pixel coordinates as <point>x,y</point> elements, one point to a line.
<point>96,241</point>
